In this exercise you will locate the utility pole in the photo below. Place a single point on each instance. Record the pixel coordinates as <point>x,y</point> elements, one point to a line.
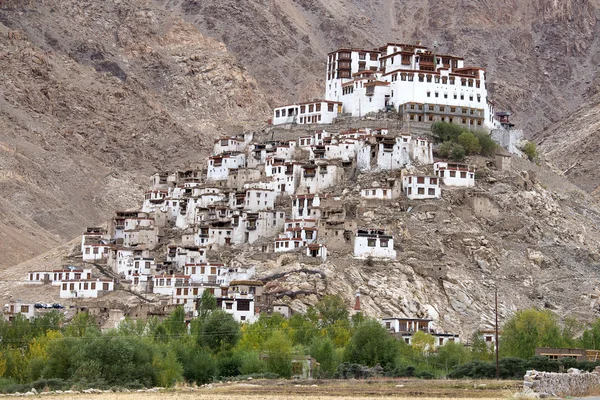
<point>496,338</point>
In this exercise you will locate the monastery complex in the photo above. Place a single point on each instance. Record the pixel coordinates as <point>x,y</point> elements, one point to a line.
<point>412,80</point>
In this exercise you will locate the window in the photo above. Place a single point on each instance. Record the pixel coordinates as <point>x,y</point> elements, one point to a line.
<point>229,306</point>
<point>433,181</point>
<point>421,78</point>
<point>403,76</point>
<point>428,94</point>
<point>318,107</point>
<point>95,250</point>
<point>302,109</point>
<point>311,108</point>
<point>436,79</point>
<point>442,108</point>
<point>87,250</point>
<point>452,80</point>
<point>421,179</point>
<point>463,175</point>
<point>105,286</point>
<point>93,286</point>
<point>437,94</point>
<point>411,77</point>
<point>431,191</point>
<point>383,243</point>
<point>330,107</point>
<point>421,191</point>
<point>429,78</point>
<point>371,242</point>
<point>455,96</point>
<point>471,98</point>
<point>276,113</point>
<point>24,309</point>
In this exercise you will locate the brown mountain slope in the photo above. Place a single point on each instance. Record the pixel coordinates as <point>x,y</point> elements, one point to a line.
<point>573,146</point>
<point>540,55</point>
<point>93,97</point>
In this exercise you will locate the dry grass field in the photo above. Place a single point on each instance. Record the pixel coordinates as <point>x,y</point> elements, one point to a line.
<point>314,390</point>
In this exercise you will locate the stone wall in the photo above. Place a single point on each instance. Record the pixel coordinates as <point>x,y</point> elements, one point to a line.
<point>508,138</point>
<point>572,383</point>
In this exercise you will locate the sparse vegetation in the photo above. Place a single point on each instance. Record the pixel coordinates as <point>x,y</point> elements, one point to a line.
<point>530,150</point>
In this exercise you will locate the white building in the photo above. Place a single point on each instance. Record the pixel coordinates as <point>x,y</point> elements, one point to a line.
<point>57,276</point>
<point>419,187</point>
<point>26,309</point>
<point>85,288</point>
<point>228,145</point>
<point>317,250</point>
<point>455,174</point>
<point>314,112</point>
<point>219,166</point>
<point>165,284</point>
<point>406,328</point>
<point>373,243</point>
<point>415,81</point>
<point>204,272</point>
<point>241,306</point>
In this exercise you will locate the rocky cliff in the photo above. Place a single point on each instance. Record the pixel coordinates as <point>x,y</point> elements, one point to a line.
<point>94,96</point>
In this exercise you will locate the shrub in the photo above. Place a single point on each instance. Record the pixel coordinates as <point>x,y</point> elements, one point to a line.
<point>469,142</point>
<point>530,150</point>
<point>444,131</point>
<point>474,369</point>
<point>488,146</point>
<point>458,152</point>
<point>445,149</point>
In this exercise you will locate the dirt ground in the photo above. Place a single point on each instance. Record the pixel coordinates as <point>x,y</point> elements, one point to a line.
<point>313,390</point>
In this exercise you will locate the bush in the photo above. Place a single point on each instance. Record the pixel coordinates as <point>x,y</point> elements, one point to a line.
<point>469,142</point>
<point>458,152</point>
<point>474,369</point>
<point>512,368</point>
<point>425,375</point>
<point>488,146</point>
<point>444,131</point>
<point>530,150</point>
<point>445,149</point>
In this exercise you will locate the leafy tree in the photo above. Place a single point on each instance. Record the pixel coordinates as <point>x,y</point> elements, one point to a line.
<point>167,368</point>
<point>444,131</point>
<point>82,324</point>
<point>251,363</point>
<point>206,304</point>
<point>370,345</point>
<point>331,309</point>
<point>488,146</point>
<point>479,348</point>
<point>228,365</point>
<point>590,339</point>
<point>529,329</point>
<point>303,330</point>
<point>452,354</point>
<point>469,142</point>
<point>278,349</point>
<point>423,342</point>
<point>220,331</point>
<point>458,152</point>
<point>323,350</point>
<point>445,149</point>
<point>175,323</point>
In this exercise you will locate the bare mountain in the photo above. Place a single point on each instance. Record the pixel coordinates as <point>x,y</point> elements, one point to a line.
<point>541,55</point>
<point>94,96</point>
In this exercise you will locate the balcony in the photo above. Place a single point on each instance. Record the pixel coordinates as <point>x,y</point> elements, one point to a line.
<point>251,227</point>
<point>310,174</point>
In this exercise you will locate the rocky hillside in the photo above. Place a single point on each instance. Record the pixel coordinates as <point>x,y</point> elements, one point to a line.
<point>541,56</point>
<point>573,145</point>
<point>94,96</point>
<point>527,232</point>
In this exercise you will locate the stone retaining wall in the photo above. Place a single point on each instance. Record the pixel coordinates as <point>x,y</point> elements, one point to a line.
<point>572,383</point>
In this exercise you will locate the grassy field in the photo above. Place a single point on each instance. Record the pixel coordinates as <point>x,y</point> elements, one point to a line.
<point>313,390</point>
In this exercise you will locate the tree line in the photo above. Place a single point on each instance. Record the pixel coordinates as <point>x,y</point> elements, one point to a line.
<point>47,353</point>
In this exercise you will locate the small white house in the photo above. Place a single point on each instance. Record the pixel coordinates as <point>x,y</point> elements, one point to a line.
<point>85,288</point>
<point>418,187</point>
<point>238,305</point>
<point>455,174</point>
<point>165,284</point>
<point>317,250</point>
<point>373,243</point>
<point>313,112</point>
<point>203,272</point>
<point>228,145</point>
<point>26,309</point>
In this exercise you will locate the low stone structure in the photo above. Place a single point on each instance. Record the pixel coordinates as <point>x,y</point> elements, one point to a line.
<point>550,384</point>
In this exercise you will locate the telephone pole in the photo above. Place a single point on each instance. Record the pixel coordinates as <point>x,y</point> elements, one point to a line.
<point>496,336</point>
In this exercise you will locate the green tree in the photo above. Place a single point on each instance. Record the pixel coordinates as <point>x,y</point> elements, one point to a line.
<point>323,350</point>
<point>331,309</point>
<point>452,354</point>
<point>278,349</point>
<point>370,345</point>
<point>445,149</point>
<point>469,142</point>
<point>167,368</point>
<point>590,339</point>
<point>444,131</point>
<point>458,152</point>
<point>423,342</point>
<point>206,304</point>
<point>529,329</point>
<point>220,331</point>
<point>303,330</point>
<point>82,324</point>
<point>488,146</point>
<point>175,323</point>
<point>479,348</point>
